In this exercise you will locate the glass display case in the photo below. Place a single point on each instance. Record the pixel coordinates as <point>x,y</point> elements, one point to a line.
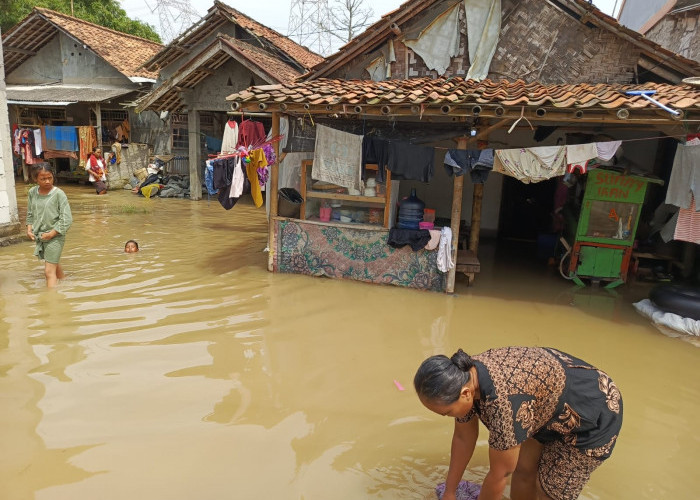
<point>330,203</point>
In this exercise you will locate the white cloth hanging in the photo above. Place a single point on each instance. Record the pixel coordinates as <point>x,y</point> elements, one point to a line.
<point>444,256</point>
<point>439,42</point>
<point>230,139</point>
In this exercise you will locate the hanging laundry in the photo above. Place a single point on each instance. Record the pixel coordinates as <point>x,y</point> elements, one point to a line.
<point>444,256</point>
<point>209,178</point>
<point>606,150</point>
<point>87,140</point>
<point>439,42</point>
<point>61,138</point>
<point>531,164</point>
<point>685,176</point>
<point>578,155</point>
<point>375,151</point>
<point>230,138</point>
<point>257,160</point>
<point>38,149</point>
<point>415,238</point>
<point>338,157</point>
<point>410,162</point>
<point>238,178</point>
<point>688,226</point>
<point>250,133</point>
<point>478,162</point>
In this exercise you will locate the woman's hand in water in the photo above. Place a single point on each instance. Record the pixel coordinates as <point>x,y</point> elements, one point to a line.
<point>30,234</point>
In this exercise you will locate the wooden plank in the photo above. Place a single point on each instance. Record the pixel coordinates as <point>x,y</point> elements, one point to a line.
<point>387,196</point>
<point>377,200</point>
<point>272,193</point>
<point>455,219</point>
<point>476,218</point>
<point>305,164</point>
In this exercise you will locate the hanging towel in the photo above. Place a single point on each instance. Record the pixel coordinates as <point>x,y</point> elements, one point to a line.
<point>439,42</point>
<point>338,157</point>
<point>606,150</point>
<point>685,176</point>
<point>444,256</point>
<point>533,164</point>
<point>483,30</point>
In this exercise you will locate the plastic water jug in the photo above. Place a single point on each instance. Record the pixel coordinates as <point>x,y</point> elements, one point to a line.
<point>411,212</point>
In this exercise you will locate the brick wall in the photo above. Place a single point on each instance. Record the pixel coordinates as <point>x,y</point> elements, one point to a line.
<point>538,42</point>
<point>679,33</point>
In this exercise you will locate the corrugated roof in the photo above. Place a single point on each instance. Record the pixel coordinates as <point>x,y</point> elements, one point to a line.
<point>420,95</point>
<point>64,92</point>
<point>167,95</point>
<point>126,53</point>
<point>219,14</point>
<point>586,12</point>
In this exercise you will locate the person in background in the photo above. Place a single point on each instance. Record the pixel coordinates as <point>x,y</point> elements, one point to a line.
<point>131,246</point>
<point>95,166</point>
<point>48,219</point>
<point>552,418</point>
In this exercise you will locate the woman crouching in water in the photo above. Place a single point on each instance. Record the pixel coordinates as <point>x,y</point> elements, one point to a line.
<point>552,418</point>
<point>48,219</point>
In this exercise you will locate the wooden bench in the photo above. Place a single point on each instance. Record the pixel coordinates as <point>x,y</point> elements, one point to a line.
<point>468,263</point>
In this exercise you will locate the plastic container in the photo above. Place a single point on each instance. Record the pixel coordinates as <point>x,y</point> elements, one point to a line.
<point>289,203</point>
<point>429,215</point>
<point>325,214</point>
<point>411,211</point>
<point>426,225</point>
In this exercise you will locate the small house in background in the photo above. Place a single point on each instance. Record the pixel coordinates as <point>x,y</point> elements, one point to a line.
<point>673,24</point>
<point>226,51</point>
<point>62,71</point>
<point>464,77</point>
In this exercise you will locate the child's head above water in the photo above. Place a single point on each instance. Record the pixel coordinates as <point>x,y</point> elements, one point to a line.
<point>131,246</point>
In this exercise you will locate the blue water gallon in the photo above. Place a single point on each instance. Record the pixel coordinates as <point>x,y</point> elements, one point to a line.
<point>411,212</point>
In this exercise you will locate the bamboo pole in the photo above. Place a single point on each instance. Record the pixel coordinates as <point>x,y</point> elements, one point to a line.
<point>478,196</point>
<point>272,193</point>
<point>455,219</point>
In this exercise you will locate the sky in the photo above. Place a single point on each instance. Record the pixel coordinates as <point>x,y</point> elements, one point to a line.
<point>273,13</point>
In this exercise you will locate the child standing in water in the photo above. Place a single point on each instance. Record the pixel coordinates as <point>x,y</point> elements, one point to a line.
<point>48,219</point>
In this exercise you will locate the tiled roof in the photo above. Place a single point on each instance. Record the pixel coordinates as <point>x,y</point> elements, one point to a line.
<point>218,15</point>
<point>431,95</point>
<point>124,52</point>
<point>224,48</point>
<point>62,92</point>
<point>585,11</point>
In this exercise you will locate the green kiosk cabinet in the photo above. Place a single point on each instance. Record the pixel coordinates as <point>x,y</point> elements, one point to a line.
<point>607,226</point>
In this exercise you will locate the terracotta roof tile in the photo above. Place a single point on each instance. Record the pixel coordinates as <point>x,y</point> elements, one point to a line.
<point>459,91</point>
<point>264,60</point>
<point>125,52</point>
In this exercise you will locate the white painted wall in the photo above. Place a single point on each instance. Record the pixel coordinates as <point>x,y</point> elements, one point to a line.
<point>9,215</point>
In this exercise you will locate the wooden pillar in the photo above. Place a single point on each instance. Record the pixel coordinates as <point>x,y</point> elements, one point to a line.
<point>98,121</point>
<point>272,194</point>
<point>476,218</point>
<point>195,154</point>
<point>455,220</point>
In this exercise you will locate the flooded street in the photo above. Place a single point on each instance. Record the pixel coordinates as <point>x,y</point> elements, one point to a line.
<point>187,371</point>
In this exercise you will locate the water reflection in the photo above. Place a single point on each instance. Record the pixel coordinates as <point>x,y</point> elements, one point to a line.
<point>188,371</point>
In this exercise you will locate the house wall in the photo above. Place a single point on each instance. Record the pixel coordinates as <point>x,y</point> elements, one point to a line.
<point>679,33</point>
<point>210,95</point>
<point>9,216</point>
<point>195,50</point>
<point>65,60</point>
<point>538,42</point>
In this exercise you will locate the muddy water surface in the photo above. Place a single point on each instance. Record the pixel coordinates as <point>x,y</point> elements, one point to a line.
<point>187,371</point>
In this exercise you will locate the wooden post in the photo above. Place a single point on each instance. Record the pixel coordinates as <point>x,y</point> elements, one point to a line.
<point>455,220</point>
<point>98,117</point>
<point>478,196</point>
<point>272,194</point>
<point>195,151</point>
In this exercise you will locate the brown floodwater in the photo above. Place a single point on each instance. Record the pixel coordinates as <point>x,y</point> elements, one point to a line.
<point>187,371</point>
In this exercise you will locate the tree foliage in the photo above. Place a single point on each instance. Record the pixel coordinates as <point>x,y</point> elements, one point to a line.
<point>107,13</point>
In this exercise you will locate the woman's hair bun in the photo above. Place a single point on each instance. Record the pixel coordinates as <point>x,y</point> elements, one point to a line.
<point>462,360</point>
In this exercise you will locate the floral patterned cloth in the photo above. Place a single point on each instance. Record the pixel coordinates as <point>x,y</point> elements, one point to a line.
<point>358,254</point>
